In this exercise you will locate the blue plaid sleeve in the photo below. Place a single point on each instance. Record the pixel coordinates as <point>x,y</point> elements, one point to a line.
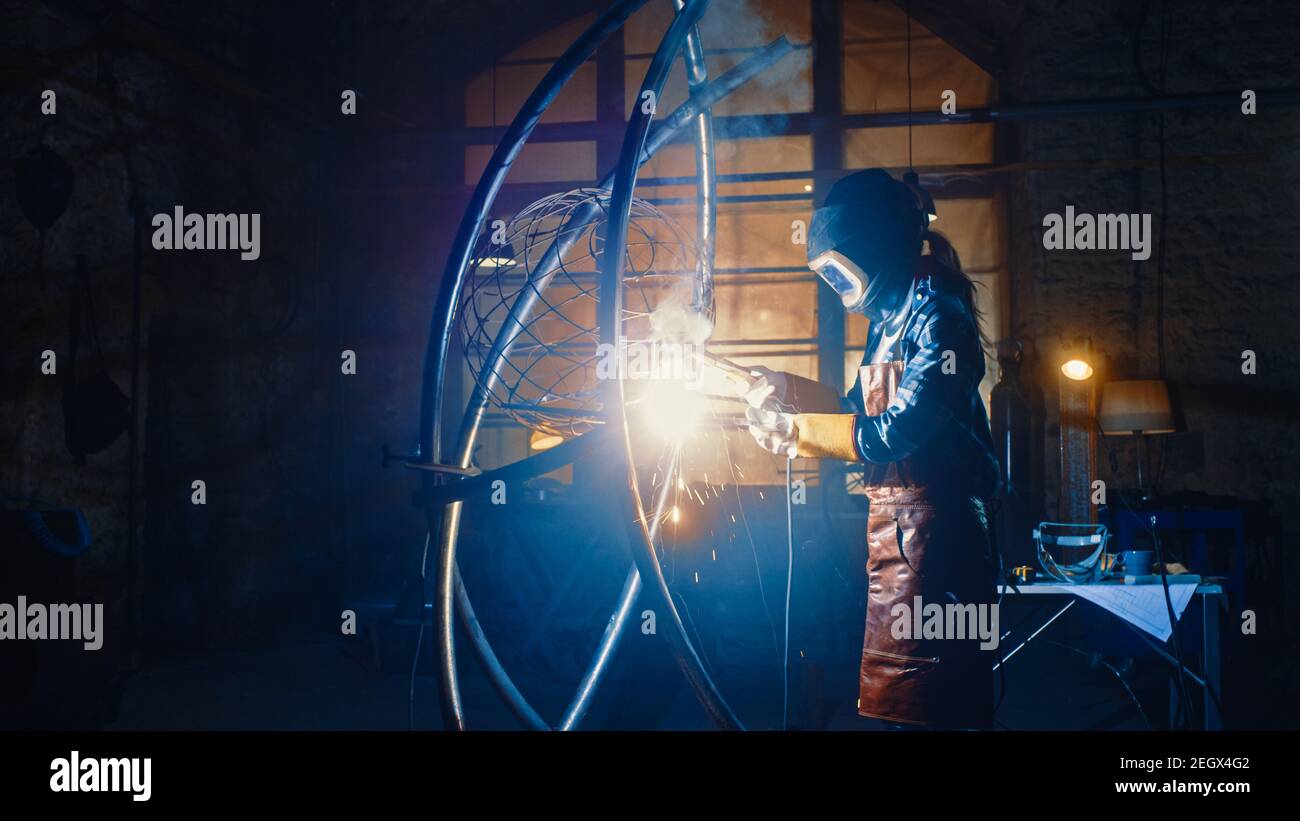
<point>937,382</point>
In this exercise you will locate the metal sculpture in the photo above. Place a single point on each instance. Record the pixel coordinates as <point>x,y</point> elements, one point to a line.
<point>615,204</point>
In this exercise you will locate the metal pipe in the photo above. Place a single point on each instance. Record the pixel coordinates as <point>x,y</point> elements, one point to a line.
<point>497,675</point>
<point>706,215</point>
<point>442,323</point>
<point>701,302</point>
<point>609,310</point>
<point>545,461</point>
<point>618,620</point>
<point>698,104</point>
<point>479,399</point>
<point>748,125</point>
<point>1034,635</point>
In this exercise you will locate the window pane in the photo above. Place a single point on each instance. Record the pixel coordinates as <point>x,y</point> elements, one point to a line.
<point>931,145</point>
<point>875,64</point>
<point>538,162</point>
<point>576,102</point>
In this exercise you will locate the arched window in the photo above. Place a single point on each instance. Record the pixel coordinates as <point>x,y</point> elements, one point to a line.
<point>781,141</point>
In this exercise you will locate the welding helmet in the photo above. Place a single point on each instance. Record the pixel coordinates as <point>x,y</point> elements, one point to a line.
<point>865,239</point>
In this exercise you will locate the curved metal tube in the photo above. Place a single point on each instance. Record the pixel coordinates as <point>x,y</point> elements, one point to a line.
<point>697,76</point>
<point>435,362</point>
<point>701,101</point>
<point>600,660</point>
<point>664,131</point>
<point>618,620</point>
<point>697,107</point>
<point>706,186</point>
<point>501,681</point>
<point>609,310</point>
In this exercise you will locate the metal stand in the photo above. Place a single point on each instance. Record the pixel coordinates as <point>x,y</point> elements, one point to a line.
<point>1213,603</point>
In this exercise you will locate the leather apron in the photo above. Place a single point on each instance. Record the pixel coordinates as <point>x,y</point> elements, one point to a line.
<point>927,537</point>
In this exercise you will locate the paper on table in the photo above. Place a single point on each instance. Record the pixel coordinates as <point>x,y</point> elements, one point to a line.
<point>1142,605</point>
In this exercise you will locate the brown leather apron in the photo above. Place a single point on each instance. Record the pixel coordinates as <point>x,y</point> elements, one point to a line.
<point>926,538</point>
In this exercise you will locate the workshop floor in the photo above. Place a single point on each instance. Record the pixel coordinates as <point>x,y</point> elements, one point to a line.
<point>331,684</point>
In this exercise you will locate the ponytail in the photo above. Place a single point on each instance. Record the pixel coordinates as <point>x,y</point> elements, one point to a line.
<point>950,266</point>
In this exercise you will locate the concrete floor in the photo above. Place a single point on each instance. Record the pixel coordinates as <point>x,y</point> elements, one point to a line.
<point>332,684</point>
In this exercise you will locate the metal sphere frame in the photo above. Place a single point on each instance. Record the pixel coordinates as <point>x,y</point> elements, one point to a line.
<point>554,388</point>
<point>639,144</point>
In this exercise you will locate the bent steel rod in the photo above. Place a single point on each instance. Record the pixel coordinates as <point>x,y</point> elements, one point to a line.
<point>618,620</point>
<point>609,311</point>
<point>706,216</point>
<point>707,96</point>
<point>442,323</point>
<point>502,683</point>
<point>697,77</point>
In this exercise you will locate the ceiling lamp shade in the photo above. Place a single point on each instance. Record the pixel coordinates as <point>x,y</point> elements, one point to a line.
<point>1136,406</point>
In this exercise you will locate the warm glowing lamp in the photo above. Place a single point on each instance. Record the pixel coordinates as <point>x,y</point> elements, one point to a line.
<point>1078,361</point>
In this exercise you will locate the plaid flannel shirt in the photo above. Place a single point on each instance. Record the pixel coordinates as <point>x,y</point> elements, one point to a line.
<point>936,412</point>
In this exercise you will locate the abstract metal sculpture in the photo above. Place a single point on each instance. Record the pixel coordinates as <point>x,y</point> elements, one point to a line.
<point>613,204</point>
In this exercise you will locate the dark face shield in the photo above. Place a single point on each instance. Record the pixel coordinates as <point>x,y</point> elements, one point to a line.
<point>852,254</point>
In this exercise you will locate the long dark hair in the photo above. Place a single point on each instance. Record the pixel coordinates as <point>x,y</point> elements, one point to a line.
<point>950,264</point>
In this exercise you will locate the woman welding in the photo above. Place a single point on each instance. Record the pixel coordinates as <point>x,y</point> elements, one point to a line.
<point>915,418</point>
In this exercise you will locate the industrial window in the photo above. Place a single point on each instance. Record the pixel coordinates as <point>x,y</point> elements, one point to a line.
<point>766,297</point>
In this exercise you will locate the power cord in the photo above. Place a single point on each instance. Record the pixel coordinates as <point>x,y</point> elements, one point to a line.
<point>789,578</point>
<point>992,517</point>
<point>1113,669</point>
<point>419,635</point>
<point>1173,625</point>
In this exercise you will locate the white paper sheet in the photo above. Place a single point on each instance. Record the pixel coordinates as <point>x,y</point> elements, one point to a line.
<point>1142,605</point>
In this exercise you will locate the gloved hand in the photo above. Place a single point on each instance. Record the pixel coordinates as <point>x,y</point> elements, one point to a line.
<point>790,392</point>
<point>772,428</point>
<point>772,388</point>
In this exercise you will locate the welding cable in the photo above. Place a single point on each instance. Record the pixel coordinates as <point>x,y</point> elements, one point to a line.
<point>1173,626</point>
<point>419,635</point>
<point>1132,696</point>
<point>995,509</point>
<point>789,578</point>
<point>753,551</point>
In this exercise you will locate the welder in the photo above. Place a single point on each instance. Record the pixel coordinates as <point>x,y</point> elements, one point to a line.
<point>915,419</point>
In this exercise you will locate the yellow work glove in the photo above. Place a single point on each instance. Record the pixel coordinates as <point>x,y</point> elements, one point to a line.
<point>825,436</point>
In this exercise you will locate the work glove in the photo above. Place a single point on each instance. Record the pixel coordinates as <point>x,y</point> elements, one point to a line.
<point>804,435</point>
<point>825,436</point>
<point>790,392</point>
<point>773,429</point>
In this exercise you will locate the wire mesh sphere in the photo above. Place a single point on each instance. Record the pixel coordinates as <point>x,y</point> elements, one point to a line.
<point>532,292</point>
